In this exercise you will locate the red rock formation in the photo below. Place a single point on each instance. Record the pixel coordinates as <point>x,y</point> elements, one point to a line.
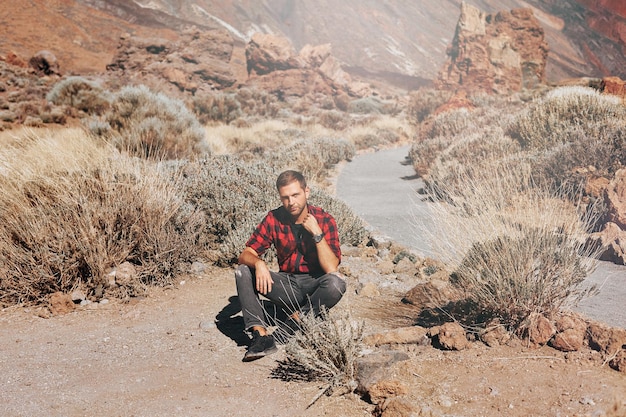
<point>273,65</point>
<point>495,53</point>
<point>200,59</point>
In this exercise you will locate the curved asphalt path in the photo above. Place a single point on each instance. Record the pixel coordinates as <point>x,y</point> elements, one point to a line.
<point>381,187</point>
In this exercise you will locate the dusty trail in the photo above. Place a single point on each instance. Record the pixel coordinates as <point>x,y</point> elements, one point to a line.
<point>381,188</point>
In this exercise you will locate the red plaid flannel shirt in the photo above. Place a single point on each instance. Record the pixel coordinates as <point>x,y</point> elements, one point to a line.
<point>293,256</point>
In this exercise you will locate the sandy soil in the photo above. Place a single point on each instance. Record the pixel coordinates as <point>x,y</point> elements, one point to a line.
<point>164,355</point>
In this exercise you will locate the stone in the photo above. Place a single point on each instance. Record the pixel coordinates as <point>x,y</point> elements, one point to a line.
<point>125,274</point>
<point>606,339</point>
<point>403,335</point>
<point>614,85</point>
<point>396,407</point>
<point>405,266</point>
<point>615,199</point>
<point>267,53</point>
<point>570,335</point>
<point>540,329</point>
<point>369,290</point>
<point>45,63</point>
<point>375,377</point>
<point>495,334</point>
<point>432,294</point>
<point>452,336</point>
<point>60,303</point>
<point>613,240</point>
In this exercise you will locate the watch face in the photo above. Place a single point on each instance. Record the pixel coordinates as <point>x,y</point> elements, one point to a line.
<point>318,238</point>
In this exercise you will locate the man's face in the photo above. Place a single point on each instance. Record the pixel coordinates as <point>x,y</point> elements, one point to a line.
<point>294,198</point>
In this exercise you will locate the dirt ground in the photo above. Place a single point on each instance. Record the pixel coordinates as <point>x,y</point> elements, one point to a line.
<point>164,355</point>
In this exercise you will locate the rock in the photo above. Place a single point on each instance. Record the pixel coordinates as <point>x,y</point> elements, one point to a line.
<point>125,274</point>
<point>495,53</point>
<point>45,63</point>
<point>198,60</point>
<point>396,407</point>
<point>613,240</point>
<point>405,266</point>
<point>540,330</point>
<point>596,186</point>
<point>77,296</point>
<point>494,334</point>
<point>403,335</point>
<point>13,59</point>
<point>606,339</point>
<point>374,376</point>
<point>267,53</point>
<point>432,294</point>
<point>614,85</point>
<point>571,331</point>
<point>451,336</point>
<point>385,267</point>
<point>60,303</point>
<point>615,199</point>
<point>369,290</point>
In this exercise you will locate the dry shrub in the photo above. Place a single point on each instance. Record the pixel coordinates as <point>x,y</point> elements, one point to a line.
<point>80,93</point>
<point>234,195</point>
<point>333,119</point>
<point>255,102</point>
<point>448,124</point>
<point>71,210</point>
<point>152,125</point>
<point>423,102</point>
<point>599,148</point>
<point>313,156</point>
<point>371,105</point>
<point>325,349</point>
<point>550,120</point>
<point>216,106</point>
<point>515,248</point>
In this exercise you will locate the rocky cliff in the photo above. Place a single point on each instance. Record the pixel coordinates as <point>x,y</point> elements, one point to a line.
<point>403,43</point>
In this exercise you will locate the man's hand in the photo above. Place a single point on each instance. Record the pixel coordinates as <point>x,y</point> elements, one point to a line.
<point>264,279</point>
<point>311,225</point>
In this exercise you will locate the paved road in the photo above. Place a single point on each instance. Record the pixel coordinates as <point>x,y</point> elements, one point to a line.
<point>381,188</point>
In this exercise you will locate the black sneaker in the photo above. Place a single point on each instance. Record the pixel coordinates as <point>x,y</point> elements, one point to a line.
<point>261,346</point>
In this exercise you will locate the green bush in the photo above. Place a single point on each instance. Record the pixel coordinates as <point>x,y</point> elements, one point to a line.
<point>551,120</point>
<point>80,93</point>
<point>152,125</point>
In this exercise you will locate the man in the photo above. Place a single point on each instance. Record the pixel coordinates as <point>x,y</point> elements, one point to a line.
<point>307,245</point>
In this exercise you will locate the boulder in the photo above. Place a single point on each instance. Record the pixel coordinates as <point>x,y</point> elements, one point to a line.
<point>570,333</point>
<point>614,85</point>
<point>540,330</point>
<point>432,294</point>
<point>613,240</point>
<point>495,53</point>
<point>495,334</point>
<point>60,303</point>
<point>375,376</point>
<point>267,53</point>
<point>451,336</point>
<point>45,63</point>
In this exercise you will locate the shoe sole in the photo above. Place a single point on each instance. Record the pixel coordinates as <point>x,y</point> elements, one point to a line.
<point>249,357</point>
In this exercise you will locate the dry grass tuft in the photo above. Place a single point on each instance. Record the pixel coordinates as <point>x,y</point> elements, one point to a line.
<point>324,349</point>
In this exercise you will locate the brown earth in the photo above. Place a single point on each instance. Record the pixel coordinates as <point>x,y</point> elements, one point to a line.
<point>163,355</point>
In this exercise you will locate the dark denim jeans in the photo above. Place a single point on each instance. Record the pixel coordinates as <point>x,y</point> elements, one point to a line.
<point>292,292</point>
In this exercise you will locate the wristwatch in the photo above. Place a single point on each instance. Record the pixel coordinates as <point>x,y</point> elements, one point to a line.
<point>318,238</point>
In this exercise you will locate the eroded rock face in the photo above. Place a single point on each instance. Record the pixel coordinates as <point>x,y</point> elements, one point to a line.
<point>495,53</point>
<point>200,59</point>
<point>274,65</point>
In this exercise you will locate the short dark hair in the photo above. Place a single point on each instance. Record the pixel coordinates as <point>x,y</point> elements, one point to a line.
<point>289,176</point>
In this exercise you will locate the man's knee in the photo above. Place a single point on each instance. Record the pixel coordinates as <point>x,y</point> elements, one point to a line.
<point>335,286</point>
<point>243,273</point>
